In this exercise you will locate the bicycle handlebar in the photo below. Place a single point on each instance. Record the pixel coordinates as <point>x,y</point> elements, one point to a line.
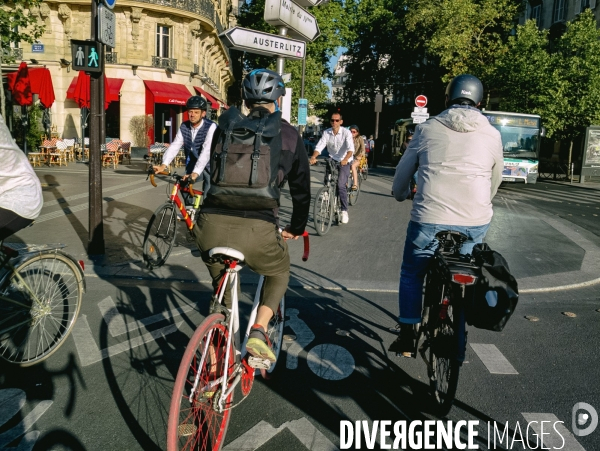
<point>306,246</point>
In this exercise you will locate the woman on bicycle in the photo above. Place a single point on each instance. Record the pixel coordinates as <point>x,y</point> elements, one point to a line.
<point>359,152</point>
<point>20,190</point>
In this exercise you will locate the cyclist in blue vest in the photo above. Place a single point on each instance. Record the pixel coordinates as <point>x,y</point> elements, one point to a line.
<point>195,136</point>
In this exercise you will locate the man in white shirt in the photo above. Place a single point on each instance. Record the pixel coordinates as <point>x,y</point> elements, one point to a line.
<point>195,136</point>
<point>340,145</point>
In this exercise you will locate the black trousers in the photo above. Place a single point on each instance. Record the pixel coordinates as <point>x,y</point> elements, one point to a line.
<point>10,223</point>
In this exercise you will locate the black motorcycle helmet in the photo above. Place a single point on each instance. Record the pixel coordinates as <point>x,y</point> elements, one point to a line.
<point>262,86</point>
<point>464,90</point>
<point>196,102</point>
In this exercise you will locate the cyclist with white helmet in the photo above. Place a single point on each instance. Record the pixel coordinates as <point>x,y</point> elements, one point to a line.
<point>458,159</point>
<point>195,136</point>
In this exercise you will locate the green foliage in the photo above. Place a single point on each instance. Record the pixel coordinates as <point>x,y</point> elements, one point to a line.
<point>330,18</point>
<point>560,82</point>
<point>35,129</point>
<point>18,24</point>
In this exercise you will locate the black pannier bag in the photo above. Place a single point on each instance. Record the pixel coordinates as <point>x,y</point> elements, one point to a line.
<point>244,164</point>
<point>496,293</point>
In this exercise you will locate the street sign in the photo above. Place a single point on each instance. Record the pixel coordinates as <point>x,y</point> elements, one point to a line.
<point>37,48</point>
<point>110,3</point>
<point>287,77</point>
<point>286,13</point>
<point>421,101</point>
<point>310,2</point>
<point>378,103</point>
<point>107,26</point>
<point>86,55</point>
<point>419,118</point>
<point>302,111</point>
<point>252,41</point>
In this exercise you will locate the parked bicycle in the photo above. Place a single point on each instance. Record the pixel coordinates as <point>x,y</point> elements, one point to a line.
<point>41,289</point>
<point>159,238</point>
<point>215,362</point>
<point>450,283</point>
<point>328,206</point>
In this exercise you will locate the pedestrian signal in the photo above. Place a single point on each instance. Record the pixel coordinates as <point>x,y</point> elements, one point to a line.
<point>87,55</point>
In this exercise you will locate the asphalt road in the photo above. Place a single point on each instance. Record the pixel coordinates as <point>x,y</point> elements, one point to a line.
<point>109,386</point>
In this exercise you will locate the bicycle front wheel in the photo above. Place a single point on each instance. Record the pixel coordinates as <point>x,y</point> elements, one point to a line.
<point>444,365</point>
<point>323,210</point>
<point>195,423</point>
<point>160,236</point>
<point>353,195</point>
<point>39,303</point>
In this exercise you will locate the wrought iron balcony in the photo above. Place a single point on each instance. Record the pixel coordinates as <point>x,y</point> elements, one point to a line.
<point>158,61</point>
<point>13,53</point>
<point>204,8</point>
<point>111,58</point>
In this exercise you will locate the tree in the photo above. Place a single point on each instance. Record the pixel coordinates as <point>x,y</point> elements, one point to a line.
<point>16,24</point>
<point>331,21</point>
<point>527,78</point>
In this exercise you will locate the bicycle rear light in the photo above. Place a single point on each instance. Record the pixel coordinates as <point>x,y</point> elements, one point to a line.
<point>82,264</point>
<point>464,279</point>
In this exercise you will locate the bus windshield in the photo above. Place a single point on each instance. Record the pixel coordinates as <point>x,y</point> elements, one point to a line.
<point>519,142</point>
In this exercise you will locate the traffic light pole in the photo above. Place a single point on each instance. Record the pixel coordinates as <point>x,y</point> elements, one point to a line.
<point>96,225</point>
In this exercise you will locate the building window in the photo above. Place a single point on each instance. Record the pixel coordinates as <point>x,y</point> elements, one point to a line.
<point>560,10</point>
<point>163,35</point>
<point>536,14</point>
<point>585,4</point>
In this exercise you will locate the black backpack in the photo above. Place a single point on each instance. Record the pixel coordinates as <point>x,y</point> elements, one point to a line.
<point>496,293</point>
<point>244,163</point>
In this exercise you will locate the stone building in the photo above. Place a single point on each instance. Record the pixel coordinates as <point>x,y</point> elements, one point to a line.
<point>553,14</point>
<point>166,51</point>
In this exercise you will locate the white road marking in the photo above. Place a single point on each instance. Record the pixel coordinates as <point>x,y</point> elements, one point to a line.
<point>89,352</point>
<point>81,207</point>
<point>117,326</point>
<point>552,438</point>
<point>493,359</point>
<point>303,429</point>
<point>13,400</point>
<point>52,203</point>
<point>303,337</point>
<point>331,362</point>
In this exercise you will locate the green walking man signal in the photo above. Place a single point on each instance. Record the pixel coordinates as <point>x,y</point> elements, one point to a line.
<point>86,55</point>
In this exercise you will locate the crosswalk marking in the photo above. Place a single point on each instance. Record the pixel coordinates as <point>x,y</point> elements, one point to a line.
<point>493,359</point>
<point>556,435</point>
<point>553,195</point>
<point>52,203</point>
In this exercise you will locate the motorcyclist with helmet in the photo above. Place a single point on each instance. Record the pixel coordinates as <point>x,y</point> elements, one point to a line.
<point>195,136</point>
<point>457,156</point>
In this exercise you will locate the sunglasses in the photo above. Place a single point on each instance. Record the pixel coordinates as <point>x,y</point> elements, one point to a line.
<point>354,132</point>
<point>335,120</point>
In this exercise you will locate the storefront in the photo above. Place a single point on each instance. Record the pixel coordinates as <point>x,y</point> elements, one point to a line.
<point>166,103</point>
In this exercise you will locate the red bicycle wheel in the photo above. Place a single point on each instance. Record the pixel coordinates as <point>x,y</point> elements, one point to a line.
<point>193,421</point>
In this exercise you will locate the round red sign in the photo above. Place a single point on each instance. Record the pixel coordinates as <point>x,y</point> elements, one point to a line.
<point>421,101</point>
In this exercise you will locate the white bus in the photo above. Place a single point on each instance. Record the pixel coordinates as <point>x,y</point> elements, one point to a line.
<point>521,135</point>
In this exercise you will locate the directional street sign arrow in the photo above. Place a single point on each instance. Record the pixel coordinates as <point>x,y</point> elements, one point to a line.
<point>252,41</point>
<point>309,2</point>
<point>286,13</point>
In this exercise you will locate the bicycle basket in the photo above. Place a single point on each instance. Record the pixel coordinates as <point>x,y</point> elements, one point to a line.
<point>496,294</point>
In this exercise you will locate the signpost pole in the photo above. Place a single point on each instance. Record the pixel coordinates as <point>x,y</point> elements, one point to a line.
<point>96,226</point>
<point>280,59</point>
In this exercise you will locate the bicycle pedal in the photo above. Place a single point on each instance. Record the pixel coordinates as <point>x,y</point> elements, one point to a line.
<point>259,363</point>
<point>186,429</point>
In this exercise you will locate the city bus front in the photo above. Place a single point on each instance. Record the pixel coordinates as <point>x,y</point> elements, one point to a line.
<point>520,143</point>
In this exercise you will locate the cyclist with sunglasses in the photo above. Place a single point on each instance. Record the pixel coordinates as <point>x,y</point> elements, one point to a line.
<point>340,145</point>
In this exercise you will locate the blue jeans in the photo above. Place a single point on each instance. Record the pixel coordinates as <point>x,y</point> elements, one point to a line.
<point>419,248</point>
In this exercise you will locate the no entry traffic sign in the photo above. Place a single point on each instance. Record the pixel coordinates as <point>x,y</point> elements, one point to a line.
<point>421,101</point>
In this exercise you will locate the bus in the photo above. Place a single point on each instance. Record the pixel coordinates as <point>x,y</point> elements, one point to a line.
<point>521,135</point>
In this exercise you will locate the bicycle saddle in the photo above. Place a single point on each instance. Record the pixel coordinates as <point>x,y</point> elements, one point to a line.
<point>225,253</point>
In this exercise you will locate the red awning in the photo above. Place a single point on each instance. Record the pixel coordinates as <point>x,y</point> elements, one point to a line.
<point>40,83</point>
<point>214,104</point>
<point>171,93</point>
<point>20,86</point>
<point>79,90</point>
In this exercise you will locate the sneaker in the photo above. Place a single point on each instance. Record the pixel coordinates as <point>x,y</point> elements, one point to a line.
<point>404,345</point>
<point>345,217</point>
<point>259,348</point>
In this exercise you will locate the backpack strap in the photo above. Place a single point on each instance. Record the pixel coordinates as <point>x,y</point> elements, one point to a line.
<point>256,152</point>
<point>223,155</point>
